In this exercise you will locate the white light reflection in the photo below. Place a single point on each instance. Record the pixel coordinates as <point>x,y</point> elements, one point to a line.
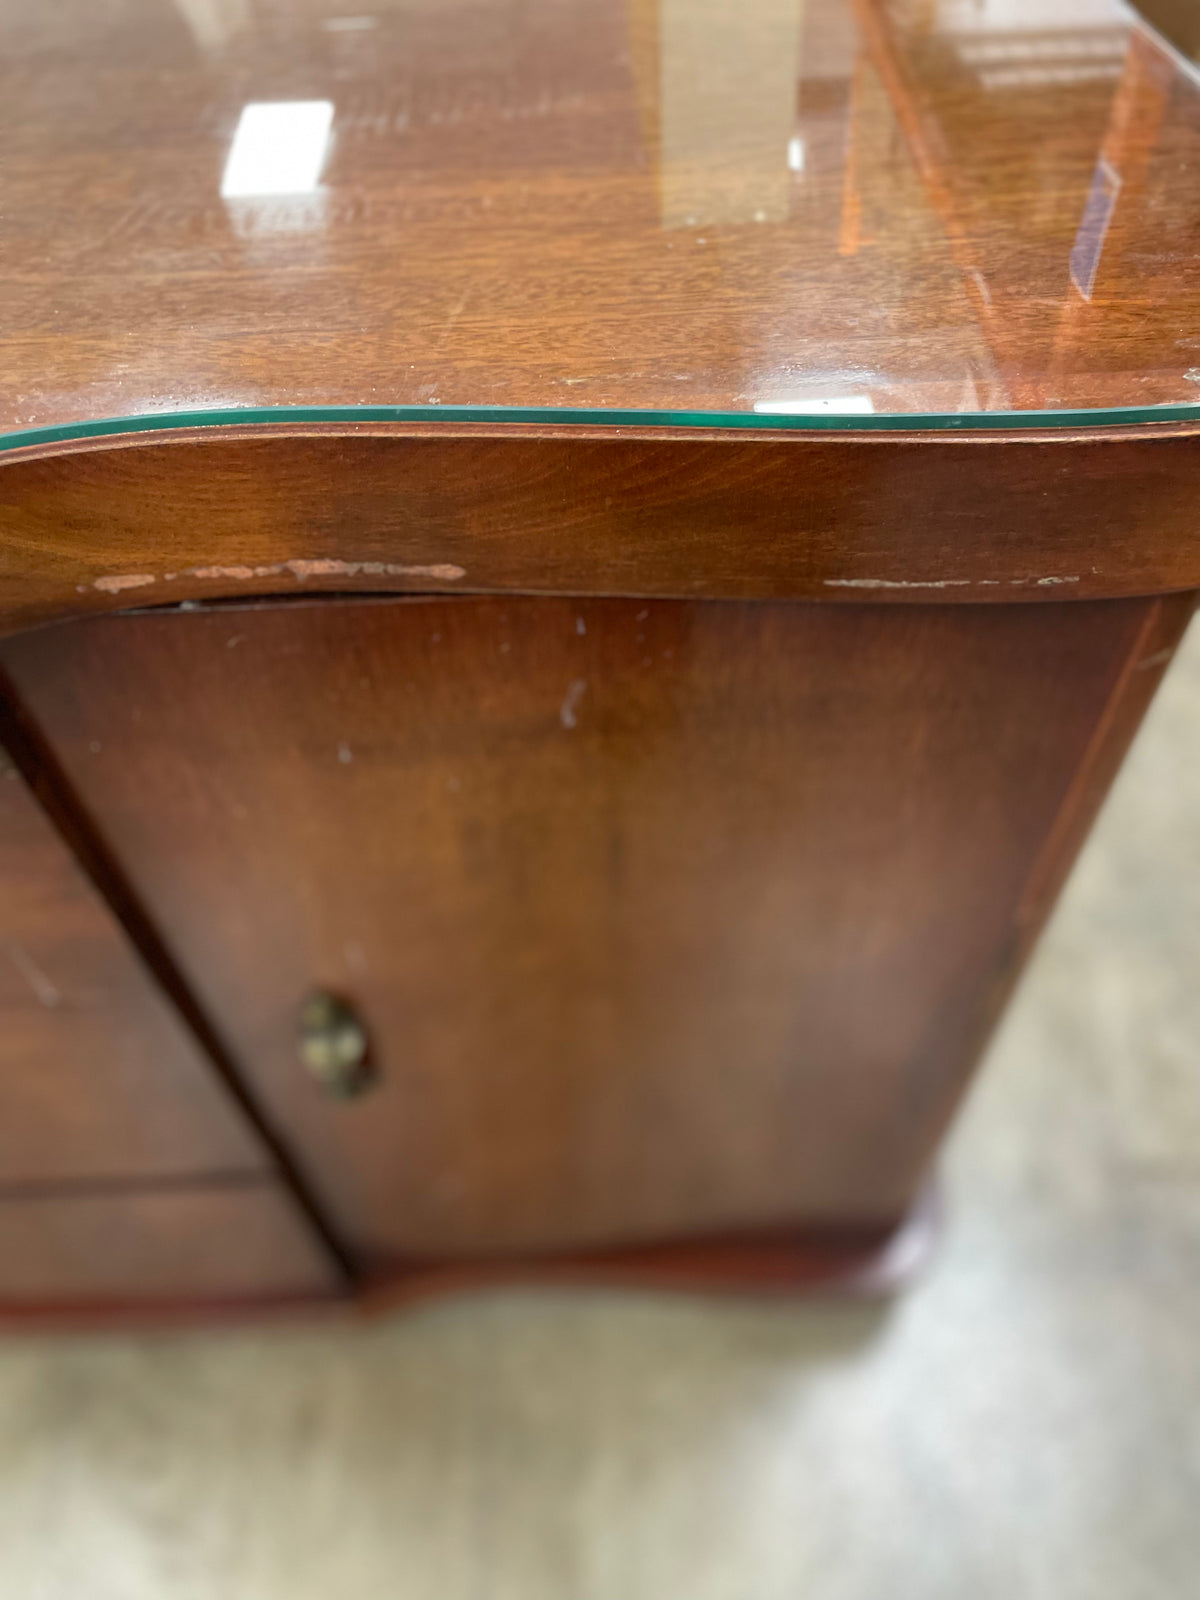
<point>796,154</point>
<point>1022,16</point>
<point>278,149</point>
<point>843,405</point>
<point>1039,77</point>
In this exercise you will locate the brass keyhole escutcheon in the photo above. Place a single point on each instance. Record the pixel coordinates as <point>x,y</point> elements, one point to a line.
<point>333,1046</point>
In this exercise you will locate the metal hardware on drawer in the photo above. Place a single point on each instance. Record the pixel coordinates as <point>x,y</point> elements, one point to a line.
<point>333,1046</point>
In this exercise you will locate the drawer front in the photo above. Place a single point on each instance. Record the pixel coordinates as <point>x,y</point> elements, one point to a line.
<point>189,1244</point>
<point>98,1078</point>
<point>661,917</point>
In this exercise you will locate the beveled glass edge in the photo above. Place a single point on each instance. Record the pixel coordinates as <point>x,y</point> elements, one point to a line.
<point>573,416</point>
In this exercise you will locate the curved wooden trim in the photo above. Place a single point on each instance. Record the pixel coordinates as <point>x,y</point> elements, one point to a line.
<point>1170,426</point>
<point>207,514</point>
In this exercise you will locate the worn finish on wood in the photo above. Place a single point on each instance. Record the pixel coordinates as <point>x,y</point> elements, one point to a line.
<point>228,1243</point>
<point>675,914</point>
<point>598,203</point>
<point>98,1078</point>
<point>664,918</point>
<point>734,517</point>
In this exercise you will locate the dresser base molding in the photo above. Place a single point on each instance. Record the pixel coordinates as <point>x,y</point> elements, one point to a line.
<point>856,1264</point>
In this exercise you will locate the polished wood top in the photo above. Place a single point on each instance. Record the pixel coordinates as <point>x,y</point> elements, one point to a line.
<point>835,206</point>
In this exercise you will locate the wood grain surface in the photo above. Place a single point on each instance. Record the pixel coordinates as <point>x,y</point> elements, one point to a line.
<point>664,918</point>
<point>597,203</point>
<point>226,1243</point>
<point>973,519</point>
<point>676,906</point>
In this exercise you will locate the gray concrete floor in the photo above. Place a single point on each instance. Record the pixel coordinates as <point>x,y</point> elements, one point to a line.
<point>1025,1424</point>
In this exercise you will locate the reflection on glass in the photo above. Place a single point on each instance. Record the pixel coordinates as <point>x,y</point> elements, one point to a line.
<point>1097,214</point>
<point>726,111</point>
<point>1021,16</point>
<point>924,205</point>
<point>273,170</point>
<point>842,405</point>
<point>278,148</point>
<point>214,22</point>
<point>1023,44</point>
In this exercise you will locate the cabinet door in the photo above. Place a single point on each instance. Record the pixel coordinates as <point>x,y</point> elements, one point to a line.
<point>664,918</point>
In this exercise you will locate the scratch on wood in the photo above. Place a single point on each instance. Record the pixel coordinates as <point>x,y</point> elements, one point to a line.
<point>896,583</point>
<point>567,711</point>
<point>44,992</point>
<point>226,572</point>
<point>942,583</point>
<point>328,567</point>
<point>123,580</point>
<point>300,569</point>
<point>1158,659</point>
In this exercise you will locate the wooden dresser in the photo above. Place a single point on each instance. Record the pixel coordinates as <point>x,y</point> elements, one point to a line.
<point>572,576</point>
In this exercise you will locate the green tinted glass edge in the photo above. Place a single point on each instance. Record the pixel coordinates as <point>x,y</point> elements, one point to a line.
<point>829,422</point>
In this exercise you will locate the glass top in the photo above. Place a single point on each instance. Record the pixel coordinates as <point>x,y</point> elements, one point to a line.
<point>784,213</point>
